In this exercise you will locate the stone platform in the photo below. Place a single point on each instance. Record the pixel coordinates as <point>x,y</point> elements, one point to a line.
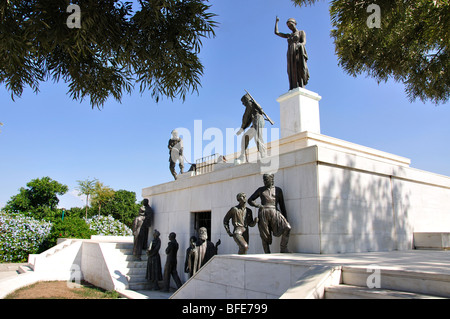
<point>410,274</point>
<point>402,274</point>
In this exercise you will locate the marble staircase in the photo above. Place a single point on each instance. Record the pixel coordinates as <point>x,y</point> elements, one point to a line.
<point>134,270</point>
<point>356,283</point>
<point>411,274</point>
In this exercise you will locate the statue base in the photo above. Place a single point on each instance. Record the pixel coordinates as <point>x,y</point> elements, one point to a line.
<point>299,112</point>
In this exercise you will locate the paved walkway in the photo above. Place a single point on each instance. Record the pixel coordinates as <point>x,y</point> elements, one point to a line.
<point>9,270</point>
<point>147,294</point>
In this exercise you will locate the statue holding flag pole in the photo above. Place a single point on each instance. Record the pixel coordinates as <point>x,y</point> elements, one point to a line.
<point>255,116</point>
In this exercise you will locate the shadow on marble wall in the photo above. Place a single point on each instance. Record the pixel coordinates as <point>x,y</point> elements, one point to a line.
<point>362,211</point>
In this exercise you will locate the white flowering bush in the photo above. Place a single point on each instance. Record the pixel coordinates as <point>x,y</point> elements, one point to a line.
<point>21,235</point>
<point>108,226</point>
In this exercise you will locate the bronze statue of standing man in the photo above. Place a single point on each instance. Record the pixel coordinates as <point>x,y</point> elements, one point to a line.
<point>241,218</point>
<point>204,250</point>
<point>170,269</point>
<point>272,221</point>
<point>297,68</point>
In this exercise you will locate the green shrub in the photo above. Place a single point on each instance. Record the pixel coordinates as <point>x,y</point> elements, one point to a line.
<point>70,227</point>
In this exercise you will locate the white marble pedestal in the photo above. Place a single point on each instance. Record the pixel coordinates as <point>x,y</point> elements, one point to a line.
<point>299,112</point>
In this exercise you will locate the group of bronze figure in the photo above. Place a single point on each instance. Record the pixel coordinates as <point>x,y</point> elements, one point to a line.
<point>272,217</point>
<point>254,116</point>
<point>271,220</point>
<point>199,252</point>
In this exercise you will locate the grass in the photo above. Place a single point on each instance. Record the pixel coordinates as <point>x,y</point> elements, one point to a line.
<point>62,290</point>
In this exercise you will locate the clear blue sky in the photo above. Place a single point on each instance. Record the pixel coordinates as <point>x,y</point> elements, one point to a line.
<point>125,145</point>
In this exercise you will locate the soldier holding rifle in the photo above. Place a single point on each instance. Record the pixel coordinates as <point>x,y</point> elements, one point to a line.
<point>254,116</point>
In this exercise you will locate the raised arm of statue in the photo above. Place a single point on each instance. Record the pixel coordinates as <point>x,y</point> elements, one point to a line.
<point>283,35</point>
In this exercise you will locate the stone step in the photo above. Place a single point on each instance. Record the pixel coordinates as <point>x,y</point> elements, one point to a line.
<point>357,292</point>
<point>137,278</point>
<point>136,271</point>
<point>124,246</point>
<point>135,264</point>
<point>128,251</point>
<point>427,283</point>
<point>127,254</point>
<point>432,241</point>
<point>131,264</point>
<point>132,258</point>
<point>139,286</point>
<point>23,269</point>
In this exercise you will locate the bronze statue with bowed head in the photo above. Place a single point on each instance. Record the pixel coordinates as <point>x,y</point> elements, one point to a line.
<point>154,270</point>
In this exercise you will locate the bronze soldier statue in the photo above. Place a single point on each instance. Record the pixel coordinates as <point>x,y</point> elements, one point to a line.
<point>254,116</point>
<point>175,153</point>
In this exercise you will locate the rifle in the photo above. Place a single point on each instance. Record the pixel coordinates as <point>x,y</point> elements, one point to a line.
<point>260,108</point>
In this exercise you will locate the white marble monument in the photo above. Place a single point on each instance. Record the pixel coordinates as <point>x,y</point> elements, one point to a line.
<point>340,197</point>
<point>299,112</point>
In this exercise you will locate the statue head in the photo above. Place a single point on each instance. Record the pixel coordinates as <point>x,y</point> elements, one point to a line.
<point>241,197</point>
<point>172,236</point>
<point>145,202</point>
<point>292,24</point>
<point>156,233</point>
<point>174,134</point>
<point>246,99</point>
<point>203,233</point>
<point>291,20</point>
<point>268,180</point>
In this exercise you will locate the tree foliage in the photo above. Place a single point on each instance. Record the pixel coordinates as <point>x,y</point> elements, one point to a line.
<point>101,195</point>
<point>39,198</point>
<point>122,207</point>
<point>86,187</point>
<point>411,46</point>
<point>114,49</point>
<point>32,223</point>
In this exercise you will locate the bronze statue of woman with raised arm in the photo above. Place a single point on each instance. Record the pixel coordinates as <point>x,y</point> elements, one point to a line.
<point>297,68</point>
